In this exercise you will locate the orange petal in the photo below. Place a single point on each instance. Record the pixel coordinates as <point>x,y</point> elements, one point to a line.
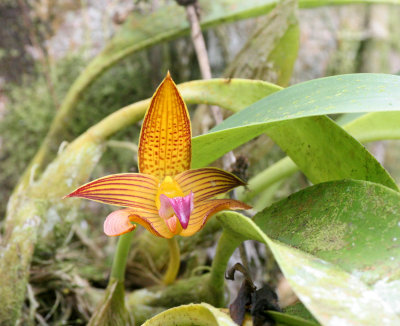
<point>207,182</point>
<point>134,190</point>
<point>118,223</point>
<point>165,139</point>
<point>204,210</point>
<point>172,224</point>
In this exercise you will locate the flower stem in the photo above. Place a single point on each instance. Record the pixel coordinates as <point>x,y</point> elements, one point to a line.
<point>174,261</point>
<point>226,246</point>
<point>121,256</point>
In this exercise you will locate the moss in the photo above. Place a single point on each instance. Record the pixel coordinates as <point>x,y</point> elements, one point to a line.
<point>31,109</point>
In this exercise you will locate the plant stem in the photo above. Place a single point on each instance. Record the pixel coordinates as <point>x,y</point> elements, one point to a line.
<point>121,256</point>
<point>123,144</point>
<point>226,246</point>
<point>174,261</point>
<point>274,173</point>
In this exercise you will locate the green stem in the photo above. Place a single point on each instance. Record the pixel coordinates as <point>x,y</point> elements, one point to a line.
<point>274,173</point>
<point>174,261</point>
<point>121,256</point>
<point>123,144</point>
<point>226,246</point>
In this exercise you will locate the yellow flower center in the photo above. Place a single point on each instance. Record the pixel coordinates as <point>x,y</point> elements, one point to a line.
<point>170,188</point>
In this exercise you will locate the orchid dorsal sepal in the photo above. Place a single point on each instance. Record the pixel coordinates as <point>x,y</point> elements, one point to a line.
<point>166,197</point>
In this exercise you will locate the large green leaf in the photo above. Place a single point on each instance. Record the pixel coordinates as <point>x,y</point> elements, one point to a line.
<point>352,224</point>
<point>375,126</point>
<point>364,127</point>
<point>231,94</point>
<point>332,295</point>
<point>337,94</point>
<point>324,151</point>
<point>319,147</point>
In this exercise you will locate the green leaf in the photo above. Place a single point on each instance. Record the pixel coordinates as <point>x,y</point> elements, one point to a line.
<point>375,126</point>
<point>311,139</point>
<point>364,127</point>
<point>329,95</point>
<point>337,94</point>
<point>352,224</point>
<point>193,314</point>
<point>332,295</point>
<point>324,151</point>
<point>231,94</point>
<point>299,310</point>
<point>284,319</point>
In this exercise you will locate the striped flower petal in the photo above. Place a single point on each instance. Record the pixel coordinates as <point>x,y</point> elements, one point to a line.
<point>204,210</point>
<point>165,139</point>
<point>118,223</point>
<point>207,182</point>
<point>135,190</point>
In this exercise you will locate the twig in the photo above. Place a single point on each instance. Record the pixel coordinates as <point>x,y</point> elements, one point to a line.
<point>243,256</point>
<point>201,53</point>
<point>32,301</point>
<point>202,58</point>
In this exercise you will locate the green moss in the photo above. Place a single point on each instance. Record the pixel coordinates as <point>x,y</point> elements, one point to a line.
<point>31,109</point>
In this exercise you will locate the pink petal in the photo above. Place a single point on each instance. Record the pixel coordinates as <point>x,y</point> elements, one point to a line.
<point>181,206</point>
<point>172,223</point>
<point>166,210</point>
<point>118,223</point>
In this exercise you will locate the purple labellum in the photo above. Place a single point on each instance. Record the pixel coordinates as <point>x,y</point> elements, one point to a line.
<point>182,207</point>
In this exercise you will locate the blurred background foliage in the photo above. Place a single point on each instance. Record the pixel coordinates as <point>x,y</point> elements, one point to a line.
<point>44,45</point>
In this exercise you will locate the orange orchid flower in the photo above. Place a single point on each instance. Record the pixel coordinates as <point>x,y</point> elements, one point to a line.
<point>166,197</point>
